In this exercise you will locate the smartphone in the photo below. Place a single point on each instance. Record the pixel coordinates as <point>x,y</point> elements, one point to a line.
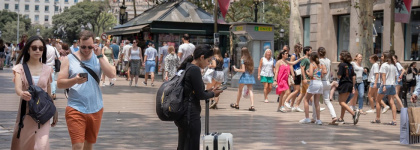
<point>223,88</point>
<point>83,75</point>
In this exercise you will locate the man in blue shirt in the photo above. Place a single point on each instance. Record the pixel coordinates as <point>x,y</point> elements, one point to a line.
<point>150,58</point>
<point>74,48</point>
<point>115,51</point>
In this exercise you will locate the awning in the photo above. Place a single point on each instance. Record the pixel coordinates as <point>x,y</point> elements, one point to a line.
<point>128,30</point>
<point>188,31</point>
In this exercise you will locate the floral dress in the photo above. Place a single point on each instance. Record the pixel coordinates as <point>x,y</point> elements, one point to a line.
<point>171,65</point>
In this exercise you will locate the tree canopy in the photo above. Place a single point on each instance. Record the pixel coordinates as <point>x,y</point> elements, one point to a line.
<point>9,16</point>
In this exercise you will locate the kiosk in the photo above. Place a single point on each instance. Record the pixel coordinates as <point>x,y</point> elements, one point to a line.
<point>257,37</point>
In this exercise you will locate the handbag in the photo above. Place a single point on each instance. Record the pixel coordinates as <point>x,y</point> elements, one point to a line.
<point>208,75</point>
<point>409,77</point>
<point>245,92</point>
<point>57,62</point>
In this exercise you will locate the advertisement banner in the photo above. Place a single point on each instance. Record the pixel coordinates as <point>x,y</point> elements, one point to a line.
<point>403,10</point>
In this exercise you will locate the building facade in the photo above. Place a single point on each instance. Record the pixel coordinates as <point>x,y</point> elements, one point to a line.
<point>39,11</point>
<point>334,24</point>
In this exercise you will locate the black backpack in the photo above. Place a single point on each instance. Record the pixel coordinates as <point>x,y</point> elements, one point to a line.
<point>41,106</point>
<point>170,100</point>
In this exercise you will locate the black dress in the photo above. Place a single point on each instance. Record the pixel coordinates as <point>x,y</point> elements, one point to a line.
<point>412,82</point>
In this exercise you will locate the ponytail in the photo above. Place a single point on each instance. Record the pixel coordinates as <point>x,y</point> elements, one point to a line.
<point>187,60</point>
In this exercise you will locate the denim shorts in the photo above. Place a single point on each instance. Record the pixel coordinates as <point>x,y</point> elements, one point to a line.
<point>150,66</point>
<point>390,90</point>
<point>398,83</point>
<point>377,85</point>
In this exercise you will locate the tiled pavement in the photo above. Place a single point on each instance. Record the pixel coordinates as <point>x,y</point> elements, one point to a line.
<point>130,122</point>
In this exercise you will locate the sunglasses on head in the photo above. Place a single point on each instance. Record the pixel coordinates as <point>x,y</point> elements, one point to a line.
<point>35,48</point>
<point>84,47</point>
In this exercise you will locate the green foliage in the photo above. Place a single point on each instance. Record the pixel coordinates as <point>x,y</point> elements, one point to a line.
<point>9,32</point>
<point>8,16</point>
<point>84,13</point>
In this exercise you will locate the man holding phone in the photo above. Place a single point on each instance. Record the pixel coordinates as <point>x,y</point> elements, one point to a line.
<point>85,104</point>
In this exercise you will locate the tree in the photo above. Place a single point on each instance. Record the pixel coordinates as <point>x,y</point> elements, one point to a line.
<point>95,15</point>
<point>8,16</point>
<point>9,33</point>
<point>296,25</point>
<point>365,30</point>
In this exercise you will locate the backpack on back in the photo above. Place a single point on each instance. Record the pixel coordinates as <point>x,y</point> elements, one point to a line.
<point>170,101</point>
<point>41,106</point>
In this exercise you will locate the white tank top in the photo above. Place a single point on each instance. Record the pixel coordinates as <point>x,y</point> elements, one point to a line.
<point>135,54</point>
<point>36,79</point>
<point>267,67</point>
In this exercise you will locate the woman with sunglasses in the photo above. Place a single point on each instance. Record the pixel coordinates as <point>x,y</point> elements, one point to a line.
<point>34,54</point>
<point>134,58</point>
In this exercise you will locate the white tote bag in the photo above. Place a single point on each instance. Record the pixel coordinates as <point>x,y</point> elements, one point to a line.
<point>208,75</point>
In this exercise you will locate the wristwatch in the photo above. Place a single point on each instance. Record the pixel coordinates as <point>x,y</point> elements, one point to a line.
<point>100,56</point>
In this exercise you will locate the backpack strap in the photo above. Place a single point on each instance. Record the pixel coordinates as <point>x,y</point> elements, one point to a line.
<point>23,103</point>
<point>91,72</point>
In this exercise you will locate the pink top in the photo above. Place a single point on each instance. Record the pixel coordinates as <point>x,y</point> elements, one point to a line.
<point>282,79</point>
<point>30,136</point>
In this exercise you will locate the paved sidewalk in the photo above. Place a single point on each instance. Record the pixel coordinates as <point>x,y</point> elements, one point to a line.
<point>130,122</point>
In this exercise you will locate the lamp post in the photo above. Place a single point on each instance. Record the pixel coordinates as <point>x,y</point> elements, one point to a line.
<point>82,28</point>
<point>122,12</point>
<point>37,32</point>
<point>281,37</point>
<point>256,3</point>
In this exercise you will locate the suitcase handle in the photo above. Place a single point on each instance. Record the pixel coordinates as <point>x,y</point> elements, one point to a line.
<point>206,125</point>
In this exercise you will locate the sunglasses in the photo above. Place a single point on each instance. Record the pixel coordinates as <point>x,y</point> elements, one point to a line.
<point>84,47</point>
<point>35,48</point>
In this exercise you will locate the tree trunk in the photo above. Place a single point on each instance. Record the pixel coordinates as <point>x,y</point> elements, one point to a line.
<point>366,31</point>
<point>135,10</point>
<point>296,25</point>
<point>391,49</point>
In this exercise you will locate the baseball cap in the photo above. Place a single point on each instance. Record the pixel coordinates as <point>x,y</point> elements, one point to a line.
<point>75,41</point>
<point>97,38</point>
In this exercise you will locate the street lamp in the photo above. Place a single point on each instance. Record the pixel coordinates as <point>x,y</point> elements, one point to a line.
<point>256,3</point>
<point>122,13</point>
<point>37,32</point>
<point>281,37</point>
<point>83,28</point>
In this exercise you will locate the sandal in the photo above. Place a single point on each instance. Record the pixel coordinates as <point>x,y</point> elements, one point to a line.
<point>334,120</point>
<point>392,123</point>
<point>252,108</point>
<point>376,121</point>
<point>233,105</point>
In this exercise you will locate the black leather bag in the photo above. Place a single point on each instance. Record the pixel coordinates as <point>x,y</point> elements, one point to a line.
<point>57,62</point>
<point>41,106</point>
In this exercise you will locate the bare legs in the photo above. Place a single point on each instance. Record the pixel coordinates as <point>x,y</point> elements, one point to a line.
<point>251,94</point>
<point>267,89</point>
<point>334,86</point>
<point>292,96</point>
<point>344,107</point>
<point>82,146</point>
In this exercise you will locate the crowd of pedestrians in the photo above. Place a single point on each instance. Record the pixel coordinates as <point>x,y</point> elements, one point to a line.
<point>304,76</point>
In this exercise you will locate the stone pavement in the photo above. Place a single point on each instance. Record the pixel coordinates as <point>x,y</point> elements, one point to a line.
<point>130,122</point>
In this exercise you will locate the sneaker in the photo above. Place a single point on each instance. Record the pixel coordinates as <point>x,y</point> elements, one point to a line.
<point>131,83</point>
<point>322,109</point>
<point>103,84</point>
<point>385,109</point>
<point>371,111</point>
<point>145,83</point>
<point>299,110</point>
<point>135,85</point>
<point>294,109</point>
<point>305,121</point>
<point>266,101</point>
<point>356,117</point>
<point>341,121</point>
<point>318,122</point>
<point>287,105</point>
<point>111,84</point>
<point>283,110</point>
<point>152,84</point>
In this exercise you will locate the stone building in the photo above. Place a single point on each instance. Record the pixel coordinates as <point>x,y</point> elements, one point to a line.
<point>333,24</point>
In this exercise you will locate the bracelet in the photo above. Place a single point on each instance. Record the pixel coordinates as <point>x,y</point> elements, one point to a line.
<point>99,56</point>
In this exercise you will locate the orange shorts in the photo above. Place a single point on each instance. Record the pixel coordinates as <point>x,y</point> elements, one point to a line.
<point>303,88</point>
<point>83,126</point>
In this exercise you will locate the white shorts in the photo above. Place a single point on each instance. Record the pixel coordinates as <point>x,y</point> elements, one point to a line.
<point>219,76</point>
<point>315,87</point>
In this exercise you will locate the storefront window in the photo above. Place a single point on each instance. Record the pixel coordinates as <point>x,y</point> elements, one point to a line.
<point>343,35</point>
<point>306,31</point>
<point>379,28</point>
<point>412,37</point>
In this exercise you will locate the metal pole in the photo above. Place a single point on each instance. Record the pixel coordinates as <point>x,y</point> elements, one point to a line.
<point>215,15</point>
<point>17,35</point>
<point>256,11</point>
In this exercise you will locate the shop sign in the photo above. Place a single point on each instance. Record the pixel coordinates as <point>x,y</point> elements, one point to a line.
<point>239,28</point>
<point>263,29</point>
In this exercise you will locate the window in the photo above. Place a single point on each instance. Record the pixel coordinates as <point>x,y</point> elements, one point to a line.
<point>306,31</point>
<point>412,36</point>
<point>75,1</point>
<point>56,8</point>
<point>66,1</point>
<point>47,8</point>
<point>36,18</point>
<point>16,6</point>
<point>6,6</point>
<point>36,0</point>
<point>378,25</point>
<point>46,18</point>
<point>47,1</point>
<point>36,7</point>
<point>26,16</point>
<point>57,0</point>
<point>343,35</point>
<point>65,8</point>
<point>26,7</point>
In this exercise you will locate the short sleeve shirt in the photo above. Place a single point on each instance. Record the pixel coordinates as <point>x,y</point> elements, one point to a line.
<point>305,63</point>
<point>115,50</point>
<point>186,50</point>
<point>373,71</point>
<point>346,71</point>
<point>390,72</point>
<point>151,53</point>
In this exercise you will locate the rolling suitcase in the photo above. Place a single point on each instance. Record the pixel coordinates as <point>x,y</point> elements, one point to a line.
<point>215,141</point>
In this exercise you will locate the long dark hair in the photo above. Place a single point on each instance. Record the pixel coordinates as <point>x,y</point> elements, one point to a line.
<point>314,57</point>
<point>25,50</point>
<point>345,56</point>
<point>2,43</point>
<point>204,49</point>
<point>280,56</point>
<point>248,62</point>
<point>388,58</point>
